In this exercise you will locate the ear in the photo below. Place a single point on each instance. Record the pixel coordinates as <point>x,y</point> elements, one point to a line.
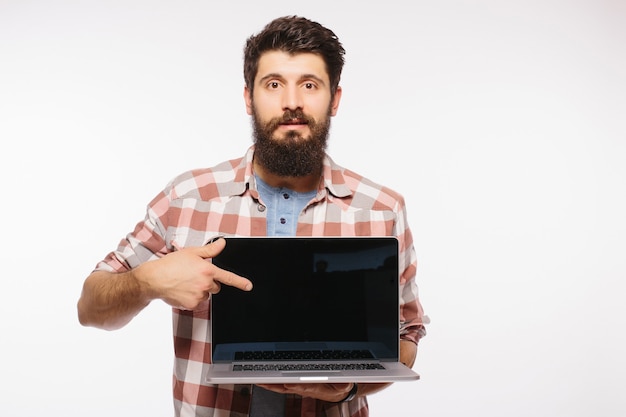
<point>335,101</point>
<point>247,96</point>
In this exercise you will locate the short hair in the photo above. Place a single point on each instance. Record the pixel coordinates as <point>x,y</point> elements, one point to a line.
<point>294,34</point>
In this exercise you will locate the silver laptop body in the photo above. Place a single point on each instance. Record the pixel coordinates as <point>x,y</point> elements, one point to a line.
<point>323,309</point>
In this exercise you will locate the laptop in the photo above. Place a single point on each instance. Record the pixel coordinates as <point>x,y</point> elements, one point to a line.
<point>323,309</point>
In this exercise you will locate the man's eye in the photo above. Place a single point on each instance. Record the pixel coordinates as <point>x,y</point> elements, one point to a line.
<point>309,86</point>
<point>273,85</point>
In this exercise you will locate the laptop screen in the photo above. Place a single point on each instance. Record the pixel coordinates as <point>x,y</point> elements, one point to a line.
<point>320,293</point>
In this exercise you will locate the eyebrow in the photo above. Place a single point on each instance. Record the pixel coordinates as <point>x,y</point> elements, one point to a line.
<point>302,78</point>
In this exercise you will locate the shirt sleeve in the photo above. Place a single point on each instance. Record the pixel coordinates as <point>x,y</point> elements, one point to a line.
<point>146,242</point>
<point>412,317</point>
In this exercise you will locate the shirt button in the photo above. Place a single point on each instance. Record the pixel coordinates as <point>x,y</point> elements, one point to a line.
<point>283,220</point>
<point>261,208</point>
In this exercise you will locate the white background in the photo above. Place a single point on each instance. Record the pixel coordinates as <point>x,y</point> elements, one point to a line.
<point>502,123</point>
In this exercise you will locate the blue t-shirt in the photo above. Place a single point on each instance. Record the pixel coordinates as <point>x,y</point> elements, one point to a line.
<point>283,207</point>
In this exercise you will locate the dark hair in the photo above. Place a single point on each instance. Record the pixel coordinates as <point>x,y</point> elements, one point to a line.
<point>293,34</point>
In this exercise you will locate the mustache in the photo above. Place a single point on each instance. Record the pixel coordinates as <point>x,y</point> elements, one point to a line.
<point>288,116</point>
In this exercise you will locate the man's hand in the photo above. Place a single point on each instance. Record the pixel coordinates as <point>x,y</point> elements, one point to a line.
<point>337,392</point>
<point>324,392</point>
<point>185,279</point>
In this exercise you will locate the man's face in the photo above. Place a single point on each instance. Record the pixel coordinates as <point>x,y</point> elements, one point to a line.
<point>291,112</point>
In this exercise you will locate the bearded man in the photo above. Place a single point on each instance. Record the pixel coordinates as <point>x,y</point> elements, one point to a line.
<point>285,184</point>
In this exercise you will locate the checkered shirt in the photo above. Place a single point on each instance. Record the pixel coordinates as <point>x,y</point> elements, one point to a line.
<point>201,204</point>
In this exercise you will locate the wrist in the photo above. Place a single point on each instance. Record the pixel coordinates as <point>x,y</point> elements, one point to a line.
<point>351,394</point>
<point>143,287</point>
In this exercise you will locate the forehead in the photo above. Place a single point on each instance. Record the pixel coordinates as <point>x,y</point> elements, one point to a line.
<point>288,66</point>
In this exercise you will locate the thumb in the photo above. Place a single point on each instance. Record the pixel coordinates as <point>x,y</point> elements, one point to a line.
<point>211,249</point>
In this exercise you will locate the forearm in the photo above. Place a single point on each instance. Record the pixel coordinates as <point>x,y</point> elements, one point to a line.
<point>110,300</point>
<point>408,353</point>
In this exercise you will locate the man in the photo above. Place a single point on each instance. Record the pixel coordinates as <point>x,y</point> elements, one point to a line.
<point>284,185</point>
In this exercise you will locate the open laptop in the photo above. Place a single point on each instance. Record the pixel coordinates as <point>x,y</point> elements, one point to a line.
<point>323,309</point>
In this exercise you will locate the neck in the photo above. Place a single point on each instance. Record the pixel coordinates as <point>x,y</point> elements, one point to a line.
<point>298,184</point>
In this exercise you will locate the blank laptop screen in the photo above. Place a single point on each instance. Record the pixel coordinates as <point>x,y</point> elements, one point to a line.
<point>308,292</point>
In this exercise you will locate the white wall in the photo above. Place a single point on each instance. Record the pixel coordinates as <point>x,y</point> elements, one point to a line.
<point>501,122</point>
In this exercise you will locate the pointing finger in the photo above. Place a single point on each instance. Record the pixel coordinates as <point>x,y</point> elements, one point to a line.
<point>232,279</point>
<point>221,275</point>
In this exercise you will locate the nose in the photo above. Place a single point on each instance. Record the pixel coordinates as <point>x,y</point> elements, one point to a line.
<point>292,98</point>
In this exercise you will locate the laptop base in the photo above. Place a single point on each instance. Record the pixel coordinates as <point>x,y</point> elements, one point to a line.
<point>223,374</point>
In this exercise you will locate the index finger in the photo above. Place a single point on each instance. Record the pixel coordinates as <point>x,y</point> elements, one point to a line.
<point>231,279</point>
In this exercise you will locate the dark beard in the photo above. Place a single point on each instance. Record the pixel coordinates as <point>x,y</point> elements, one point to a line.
<point>292,156</point>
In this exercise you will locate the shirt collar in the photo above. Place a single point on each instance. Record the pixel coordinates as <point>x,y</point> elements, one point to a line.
<point>333,178</point>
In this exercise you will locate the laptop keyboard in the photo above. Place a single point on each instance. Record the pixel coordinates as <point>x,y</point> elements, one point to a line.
<point>297,355</point>
<point>294,355</point>
<point>309,367</point>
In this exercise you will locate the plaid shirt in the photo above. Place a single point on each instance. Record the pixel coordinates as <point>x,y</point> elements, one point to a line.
<point>201,204</point>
